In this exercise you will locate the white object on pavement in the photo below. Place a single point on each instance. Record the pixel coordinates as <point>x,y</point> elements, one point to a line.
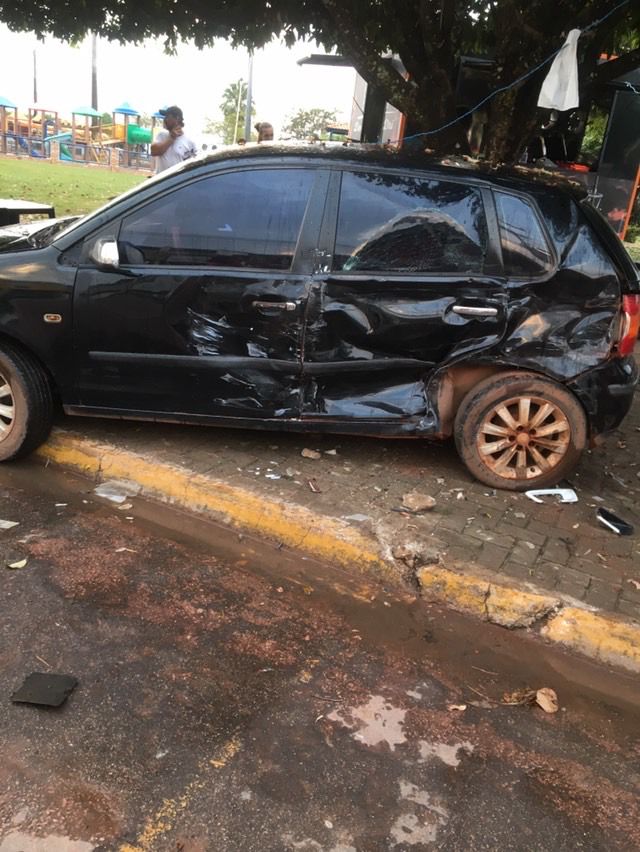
<point>566,495</point>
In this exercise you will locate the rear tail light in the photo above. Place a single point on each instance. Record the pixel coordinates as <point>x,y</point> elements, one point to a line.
<point>630,324</point>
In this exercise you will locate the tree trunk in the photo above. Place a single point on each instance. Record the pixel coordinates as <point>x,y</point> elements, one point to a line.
<point>513,119</point>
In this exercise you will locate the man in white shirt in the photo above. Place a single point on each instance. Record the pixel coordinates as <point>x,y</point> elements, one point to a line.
<point>171,146</point>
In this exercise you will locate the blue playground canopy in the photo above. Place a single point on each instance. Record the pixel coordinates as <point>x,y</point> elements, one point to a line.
<point>125,108</point>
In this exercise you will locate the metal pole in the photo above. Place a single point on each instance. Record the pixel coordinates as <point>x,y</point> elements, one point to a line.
<point>247,112</point>
<point>35,78</point>
<point>240,85</point>
<point>94,71</point>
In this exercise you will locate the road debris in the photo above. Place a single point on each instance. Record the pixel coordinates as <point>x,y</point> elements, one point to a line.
<point>613,522</point>
<point>313,486</point>
<point>21,563</point>
<point>46,690</point>
<point>311,454</point>
<point>417,502</point>
<point>456,707</point>
<point>331,452</point>
<point>113,490</point>
<point>635,584</point>
<point>566,495</point>
<point>545,698</point>
<point>8,525</point>
<point>357,517</point>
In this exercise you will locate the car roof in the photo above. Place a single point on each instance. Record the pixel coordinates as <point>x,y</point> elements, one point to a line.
<point>520,178</point>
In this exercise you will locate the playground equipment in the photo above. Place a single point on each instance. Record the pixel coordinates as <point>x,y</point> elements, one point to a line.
<point>84,139</point>
<point>130,117</point>
<point>6,105</point>
<point>137,135</point>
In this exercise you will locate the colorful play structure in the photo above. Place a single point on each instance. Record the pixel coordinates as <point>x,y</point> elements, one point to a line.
<point>86,138</point>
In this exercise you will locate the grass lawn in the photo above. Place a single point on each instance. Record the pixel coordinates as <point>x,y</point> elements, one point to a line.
<point>70,188</point>
<point>634,250</point>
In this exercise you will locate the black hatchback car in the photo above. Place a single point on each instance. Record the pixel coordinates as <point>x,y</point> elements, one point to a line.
<point>345,291</point>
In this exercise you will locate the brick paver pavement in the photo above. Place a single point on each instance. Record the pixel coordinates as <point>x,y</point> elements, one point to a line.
<point>559,548</point>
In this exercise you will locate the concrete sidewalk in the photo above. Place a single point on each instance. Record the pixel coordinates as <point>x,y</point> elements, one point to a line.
<point>346,506</point>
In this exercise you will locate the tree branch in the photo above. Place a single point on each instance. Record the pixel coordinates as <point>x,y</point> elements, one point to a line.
<point>367,60</point>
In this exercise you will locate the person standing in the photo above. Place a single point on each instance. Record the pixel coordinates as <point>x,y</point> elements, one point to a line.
<point>265,131</point>
<point>172,145</point>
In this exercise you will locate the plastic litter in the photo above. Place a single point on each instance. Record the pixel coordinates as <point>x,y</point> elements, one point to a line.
<point>8,525</point>
<point>566,495</point>
<point>613,522</point>
<point>113,490</point>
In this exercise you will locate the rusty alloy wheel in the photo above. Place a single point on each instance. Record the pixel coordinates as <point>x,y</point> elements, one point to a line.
<point>519,430</point>
<point>7,408</point>
<point>523,437</point>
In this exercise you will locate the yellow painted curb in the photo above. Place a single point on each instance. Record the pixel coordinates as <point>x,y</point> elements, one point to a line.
<point>604,638</point>
<point>295,526</point>
<point>507,606</point>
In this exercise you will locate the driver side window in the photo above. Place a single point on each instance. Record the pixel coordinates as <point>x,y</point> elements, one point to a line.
<point>244,219</point>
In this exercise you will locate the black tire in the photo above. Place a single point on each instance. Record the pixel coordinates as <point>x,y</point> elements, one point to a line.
<point>494,449</point>
<point>29,395</point>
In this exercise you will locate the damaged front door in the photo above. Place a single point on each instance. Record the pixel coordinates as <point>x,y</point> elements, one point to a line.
<point>413,284</point>
<point>203,312</point>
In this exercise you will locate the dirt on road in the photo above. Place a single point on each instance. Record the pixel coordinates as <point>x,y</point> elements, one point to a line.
<point>233,697</point>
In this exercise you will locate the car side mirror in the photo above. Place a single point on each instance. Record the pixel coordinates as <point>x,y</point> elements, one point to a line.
<point>105,254</point>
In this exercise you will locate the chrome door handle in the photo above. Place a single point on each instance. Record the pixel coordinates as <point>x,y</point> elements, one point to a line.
<point>274,306</point>
<point>469,311</point>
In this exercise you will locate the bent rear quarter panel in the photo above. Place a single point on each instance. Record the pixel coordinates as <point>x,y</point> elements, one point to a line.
<point>32,284</point>
<point>565,324</point>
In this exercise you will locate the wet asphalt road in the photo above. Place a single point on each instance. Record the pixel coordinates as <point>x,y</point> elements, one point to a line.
<point>236,698</point>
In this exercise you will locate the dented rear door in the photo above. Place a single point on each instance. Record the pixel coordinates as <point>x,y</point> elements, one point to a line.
<point>411,282</point>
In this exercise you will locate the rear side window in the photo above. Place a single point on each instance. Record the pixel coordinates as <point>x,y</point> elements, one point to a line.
<point>525,252</point>
<point>391,223</point>
<point>246,219</point>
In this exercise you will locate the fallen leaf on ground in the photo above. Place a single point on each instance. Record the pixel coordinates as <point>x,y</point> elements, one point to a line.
<point>313,485</point>
<point>547,699</point>
<point>21,563</point>
<point>459,707</point>
<point>634,583</point>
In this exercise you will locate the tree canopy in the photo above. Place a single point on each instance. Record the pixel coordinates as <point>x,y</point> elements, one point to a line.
<point>232,107</point>
<point>428,37</point>
<point>309,122</point>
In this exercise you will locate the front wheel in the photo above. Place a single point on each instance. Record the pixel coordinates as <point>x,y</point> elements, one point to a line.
<point>519,431</point>
<point>26,404</point>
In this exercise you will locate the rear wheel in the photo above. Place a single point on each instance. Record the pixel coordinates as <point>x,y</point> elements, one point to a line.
<point>26,404</point>
<point>519,431</point>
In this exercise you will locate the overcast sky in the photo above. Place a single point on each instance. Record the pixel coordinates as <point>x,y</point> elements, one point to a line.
<point>149,79</point>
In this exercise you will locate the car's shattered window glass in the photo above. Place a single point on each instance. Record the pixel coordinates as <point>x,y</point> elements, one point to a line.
<point>524,249</point>
<point>391,223</point>
<point>249,218</point>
